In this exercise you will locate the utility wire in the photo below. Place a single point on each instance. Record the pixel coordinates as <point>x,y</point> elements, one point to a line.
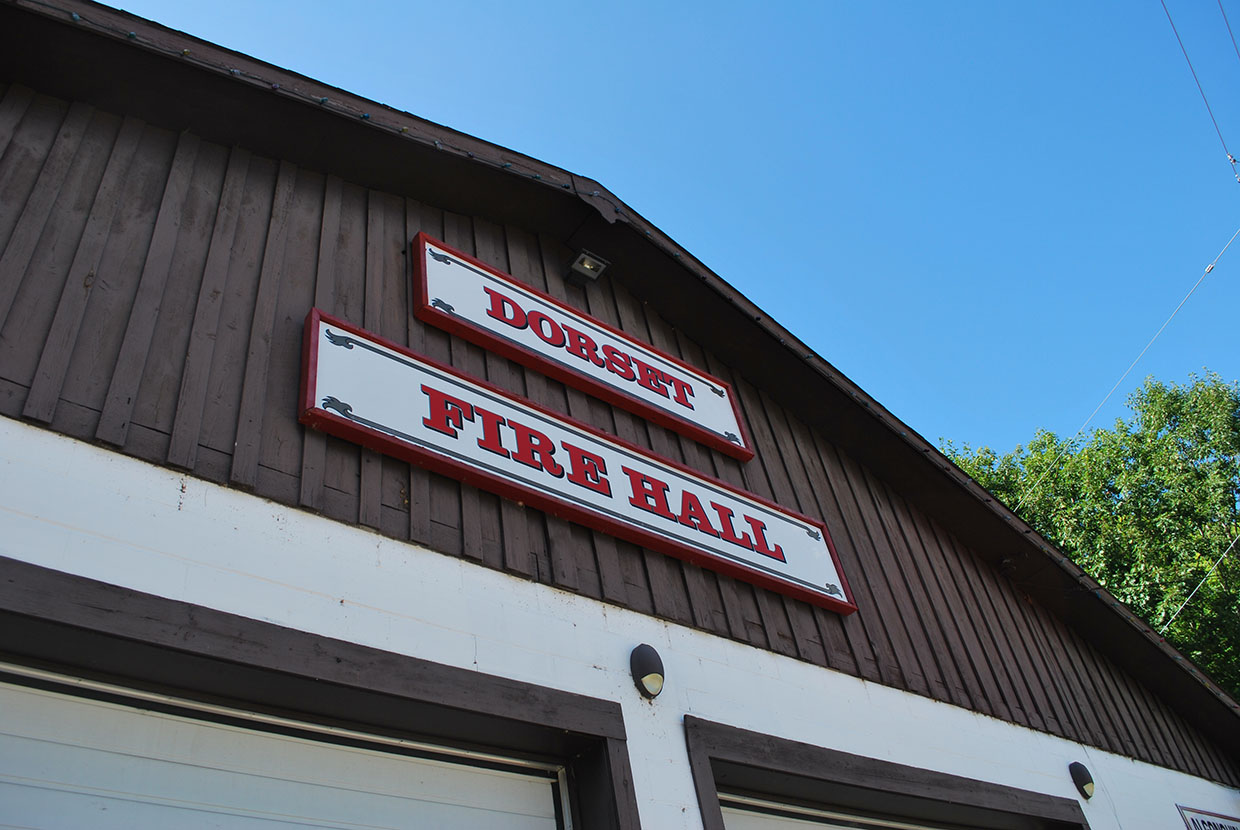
<point>1199,584</point>
<point>1229,31</point>
<point>1230,158</point>
<point>1064,448</point>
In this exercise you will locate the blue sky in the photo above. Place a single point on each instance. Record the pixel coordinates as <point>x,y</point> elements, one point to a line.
<point>978,211</point>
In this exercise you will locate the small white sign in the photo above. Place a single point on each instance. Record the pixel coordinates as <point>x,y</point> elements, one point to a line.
<point>1202,820</point>
<point>385,397</point>
<point>466,297</point>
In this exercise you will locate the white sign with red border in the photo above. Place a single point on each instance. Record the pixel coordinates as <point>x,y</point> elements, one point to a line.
<point>1203,820</point>
<point>460,294</point>
<point>369,391</point>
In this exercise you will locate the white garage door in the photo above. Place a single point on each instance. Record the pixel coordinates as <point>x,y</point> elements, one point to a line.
<point>70,762</point>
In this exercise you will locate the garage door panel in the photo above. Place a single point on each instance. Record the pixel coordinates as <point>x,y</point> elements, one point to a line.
<point>29,807</point>
<point>32,807</point>
<point>748,820</point>
<point>108,759</point>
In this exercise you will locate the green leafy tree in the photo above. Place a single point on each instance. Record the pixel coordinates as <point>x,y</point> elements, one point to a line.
<point>1146,507</point>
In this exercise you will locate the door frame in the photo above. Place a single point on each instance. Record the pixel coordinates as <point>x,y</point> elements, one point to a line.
<point>74,625</point>
<point>728,758</point>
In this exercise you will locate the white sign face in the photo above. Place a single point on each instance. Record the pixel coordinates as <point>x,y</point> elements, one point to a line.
<point>408,406</point>
<point>466,297</point>
<point>1201,820</point>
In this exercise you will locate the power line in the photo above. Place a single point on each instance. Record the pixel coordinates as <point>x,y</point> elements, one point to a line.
<point>1230,158</point>
<point>1229,31</point>
<point>1063,448</point>
<point>1199,584</point>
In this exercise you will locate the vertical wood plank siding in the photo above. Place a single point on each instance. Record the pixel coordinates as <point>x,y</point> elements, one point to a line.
<point>152,292</point>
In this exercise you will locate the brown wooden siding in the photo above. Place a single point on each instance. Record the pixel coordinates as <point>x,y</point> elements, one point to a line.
<point>152,293</point>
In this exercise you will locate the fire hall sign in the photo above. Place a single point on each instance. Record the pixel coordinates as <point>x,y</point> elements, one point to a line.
<point>456,292</point>
<point>363,389</point>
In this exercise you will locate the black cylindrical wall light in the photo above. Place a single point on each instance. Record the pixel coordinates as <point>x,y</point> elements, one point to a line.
<point>1081,777</point>
<point>647,668</point>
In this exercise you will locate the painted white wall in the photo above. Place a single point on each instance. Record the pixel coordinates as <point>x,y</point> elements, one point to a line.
<point>77,508</point>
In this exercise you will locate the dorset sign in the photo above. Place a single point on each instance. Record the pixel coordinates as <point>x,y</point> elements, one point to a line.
<point>369,391</point>
<point>458,293</point>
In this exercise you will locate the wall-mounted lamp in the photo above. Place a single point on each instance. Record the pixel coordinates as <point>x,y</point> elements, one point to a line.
<point>647,668</point>
<point>587,266</point>
<point>1081,777</point>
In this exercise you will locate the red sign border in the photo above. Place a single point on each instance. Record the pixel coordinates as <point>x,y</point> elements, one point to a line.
<point>326,421</point>
<point>528,357</point>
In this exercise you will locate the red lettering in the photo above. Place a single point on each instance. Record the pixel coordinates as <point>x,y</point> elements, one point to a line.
<point>683,391</point>
<point>505,310</point>
<point>650,377</point>
<point>619,363</point>
<point>447,413</point>
<point>728,533</point>
<point>582,345</point>
<point>587,469</point>
<point>553,336</point>
<point>490,440</point>
<point>648,493</point>
<point>760,545</point>
<point>534,449</point>
<point>693,515</point>
<point>579,344</point>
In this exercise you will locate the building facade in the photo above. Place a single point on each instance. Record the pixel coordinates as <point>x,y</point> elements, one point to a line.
<point>227,602</point>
